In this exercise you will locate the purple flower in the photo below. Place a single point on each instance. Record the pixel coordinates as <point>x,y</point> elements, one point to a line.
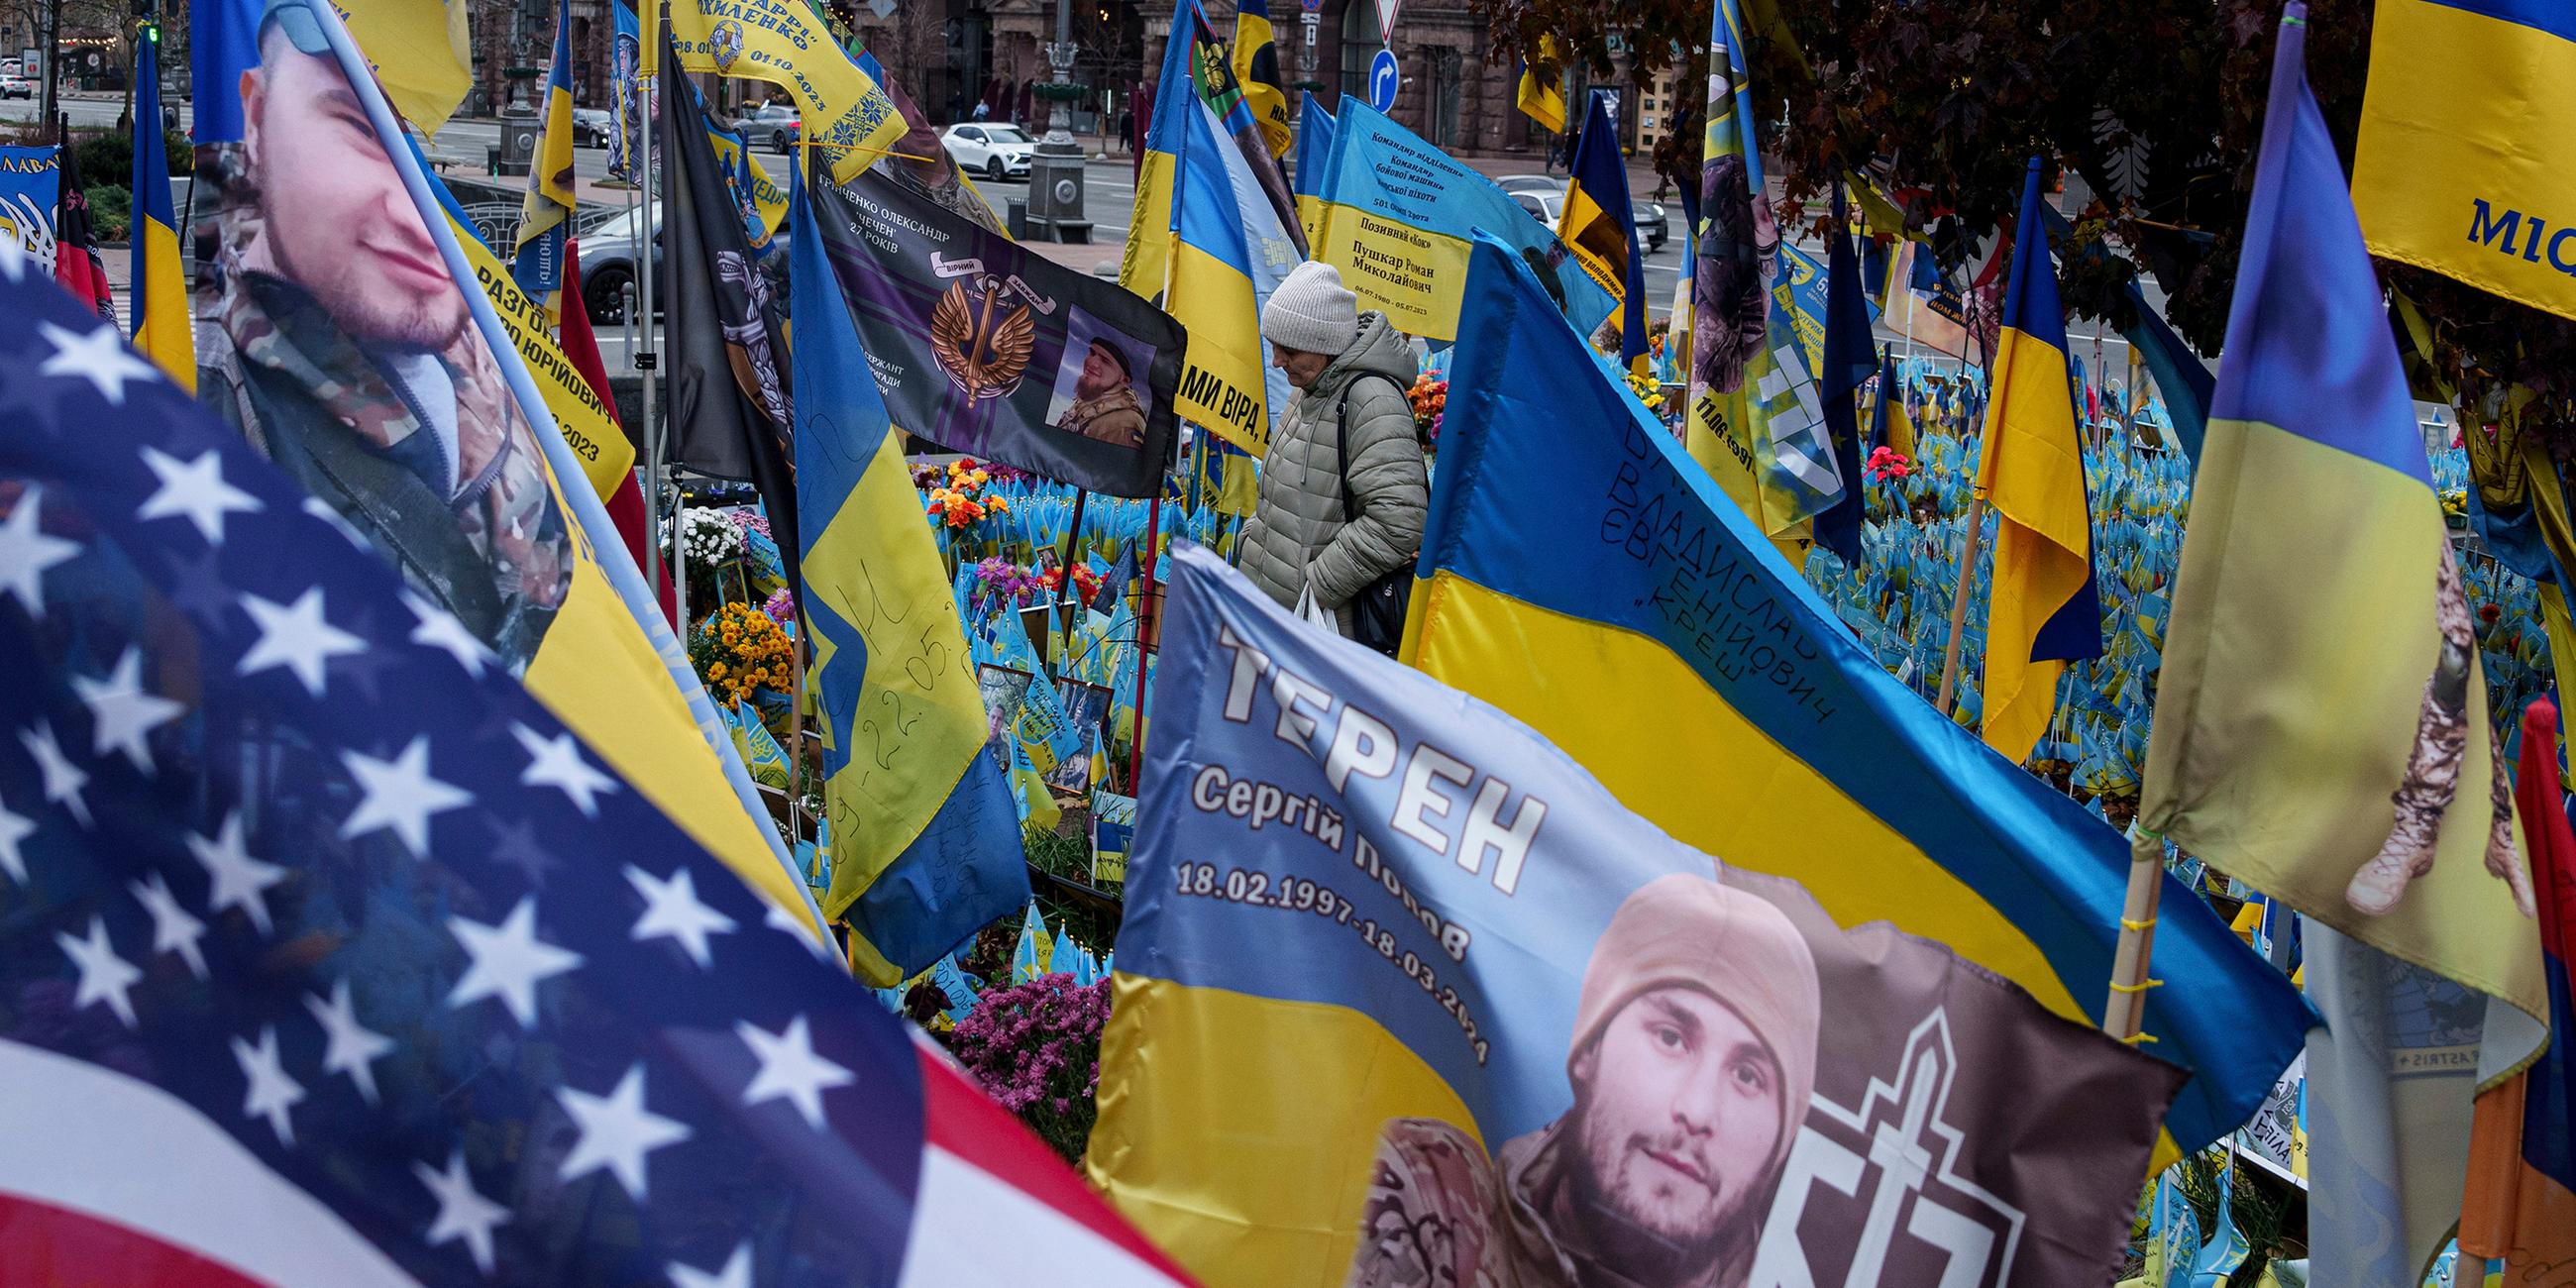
<point>1036,1049</point>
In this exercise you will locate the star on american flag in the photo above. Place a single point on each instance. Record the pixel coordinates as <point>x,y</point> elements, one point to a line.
<point>288,1003</point>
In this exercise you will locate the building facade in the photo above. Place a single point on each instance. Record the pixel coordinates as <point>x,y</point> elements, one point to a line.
<point>954,54</point>
<point>520,34</point>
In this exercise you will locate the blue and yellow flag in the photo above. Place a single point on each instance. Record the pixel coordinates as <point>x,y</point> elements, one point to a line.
<point>1720,697</point>
<point>158,305</point>
<point>2461,163</point>
<point>927,846</point>
<point>545,216</point>
<point>626,92</point>
<point>1538,96</point>
<point>1222,254</point>
<point>1387,955</point>
<point>1598,223</point>
<point>1314,150</point>
<point>2322,731</point>
<point>1397,217</point>
<point>2043,610</point>
<point>1847,363</point>
<point>1200,64</point>
<point>1256,69</point>
<point>1756,422</point>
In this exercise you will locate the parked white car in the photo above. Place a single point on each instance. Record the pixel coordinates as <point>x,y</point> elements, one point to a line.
<point>775,124</point>
<point>995,150</point>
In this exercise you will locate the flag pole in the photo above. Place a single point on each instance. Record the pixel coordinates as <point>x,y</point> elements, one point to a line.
<point>1968,553</point>
<point>1069,597</point>
<point>1149,635</point>
<point>2124,1014</point>
<point>646,360</point>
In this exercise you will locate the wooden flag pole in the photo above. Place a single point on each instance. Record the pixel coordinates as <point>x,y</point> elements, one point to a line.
<point>1068,597</point>
<point>2124,1014</point>
<point>1149,634</point>
<point>1968,552</point>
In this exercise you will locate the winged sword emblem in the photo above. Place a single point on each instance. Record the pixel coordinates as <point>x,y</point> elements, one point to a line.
<point>983,349</point>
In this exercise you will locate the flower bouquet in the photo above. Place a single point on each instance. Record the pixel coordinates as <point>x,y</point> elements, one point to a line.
<point>710,538</point>
<point>1430,400</point>
<point>740,651</point>
<point>1036,1049</point>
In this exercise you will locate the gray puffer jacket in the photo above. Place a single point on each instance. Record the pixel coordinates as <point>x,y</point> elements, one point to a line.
<point>1298,530</point>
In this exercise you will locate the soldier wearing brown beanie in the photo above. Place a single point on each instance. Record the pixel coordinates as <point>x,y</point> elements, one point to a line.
<point>1692,1059</point>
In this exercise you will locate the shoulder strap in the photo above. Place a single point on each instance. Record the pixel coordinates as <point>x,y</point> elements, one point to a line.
<point>1342,441</point>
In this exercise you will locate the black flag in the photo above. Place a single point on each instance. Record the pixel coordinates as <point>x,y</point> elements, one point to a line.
<point>986,347</point>
<point>730,411</point>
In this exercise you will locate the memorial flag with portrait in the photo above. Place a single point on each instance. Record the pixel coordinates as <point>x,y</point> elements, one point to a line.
<point>1497,1024</point>
<point>986,347</point>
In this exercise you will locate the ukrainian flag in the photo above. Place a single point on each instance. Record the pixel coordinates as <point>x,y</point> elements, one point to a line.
<point>1599,225</point>
<point>1256,69</point>
<point>2305,636</point>
<point>927,846</point>
<point>158,303</point>
<point>1692,670</point>
<point>2461,163</point>
<point>1314,147</point>
<point>546,214</point>
<point>1538,96</point>
<point>2043,609</point>
<point>1204,273</point>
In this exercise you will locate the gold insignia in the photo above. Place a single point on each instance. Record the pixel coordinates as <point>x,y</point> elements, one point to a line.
<point>983,355</point>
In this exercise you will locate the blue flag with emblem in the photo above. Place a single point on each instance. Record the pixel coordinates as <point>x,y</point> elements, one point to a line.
<point>928,843</point>
<point>335,958</point>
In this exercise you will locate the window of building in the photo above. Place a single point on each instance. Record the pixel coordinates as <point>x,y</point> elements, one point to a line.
<point>1361,39</point>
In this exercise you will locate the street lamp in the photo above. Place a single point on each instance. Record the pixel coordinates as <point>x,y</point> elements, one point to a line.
<point>1055,166</point>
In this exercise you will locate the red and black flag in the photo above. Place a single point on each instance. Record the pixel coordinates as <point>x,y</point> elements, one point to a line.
<point>76,261</point>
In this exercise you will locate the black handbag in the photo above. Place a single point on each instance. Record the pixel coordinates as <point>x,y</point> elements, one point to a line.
<point>1377,612</point>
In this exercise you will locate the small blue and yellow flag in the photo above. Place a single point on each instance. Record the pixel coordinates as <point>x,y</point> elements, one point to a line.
<point>158,305</point>
<point>1568,523</point>
<point>2461,166</point>
<point>1256,69</point>
<point>2043,610</point>
<point>1599,225</point>
<point>1538,96</point>
<point>1314,149</point>
<point>545,216</point>
<point>927,846</point>
<point>1208,265</point>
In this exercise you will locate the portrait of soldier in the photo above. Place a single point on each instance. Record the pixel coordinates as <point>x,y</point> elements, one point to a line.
<point>345,352</point>
<point>1105,405</point>
<point>1691,1061</point>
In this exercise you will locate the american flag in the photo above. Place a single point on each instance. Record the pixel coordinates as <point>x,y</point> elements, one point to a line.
<point>328,957</point>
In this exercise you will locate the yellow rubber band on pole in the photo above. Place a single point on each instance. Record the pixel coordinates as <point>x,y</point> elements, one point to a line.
<point>2136,1038</point>
<point>2148,924</point>
<point>2138,987</point>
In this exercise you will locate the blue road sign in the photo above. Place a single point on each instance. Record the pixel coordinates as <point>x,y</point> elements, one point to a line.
<point>1383,80</point>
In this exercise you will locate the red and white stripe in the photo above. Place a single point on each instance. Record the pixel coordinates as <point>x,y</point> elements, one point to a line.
<point>983,1174</point>
<point>107,1179</point>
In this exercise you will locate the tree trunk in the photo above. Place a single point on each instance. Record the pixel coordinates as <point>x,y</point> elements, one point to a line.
<point>53,59</point>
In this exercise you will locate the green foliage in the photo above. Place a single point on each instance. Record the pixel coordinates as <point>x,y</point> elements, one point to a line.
<point>1064,856</point>
<point>111,212</point>
<point>2156,104</point>
<point>105,158</point>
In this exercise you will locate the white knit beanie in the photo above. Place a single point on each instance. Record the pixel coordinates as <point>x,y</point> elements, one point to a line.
<point>1312,311</point>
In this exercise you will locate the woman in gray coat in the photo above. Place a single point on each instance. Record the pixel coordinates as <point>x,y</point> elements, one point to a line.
<point>1350,370</point>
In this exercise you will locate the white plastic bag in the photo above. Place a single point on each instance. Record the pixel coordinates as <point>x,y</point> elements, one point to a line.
<point>1315,614</point>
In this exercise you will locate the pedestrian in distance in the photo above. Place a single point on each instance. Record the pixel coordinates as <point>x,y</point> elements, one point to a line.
<point>1343,490</point>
